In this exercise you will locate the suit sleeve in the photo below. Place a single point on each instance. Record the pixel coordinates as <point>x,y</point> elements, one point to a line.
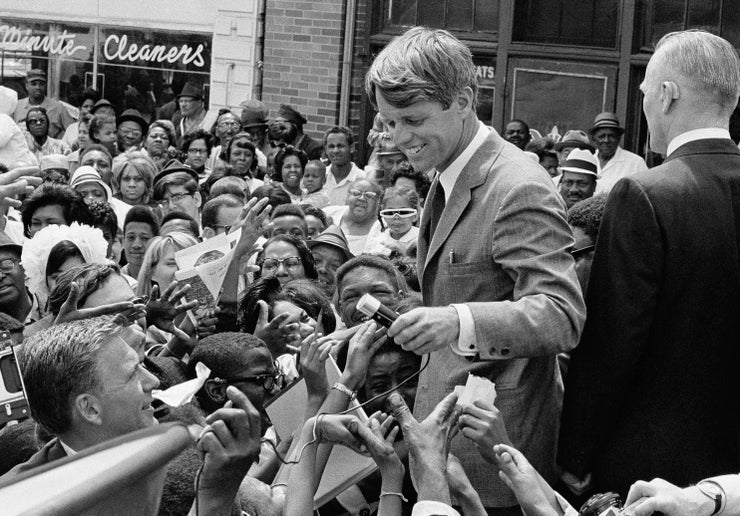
<point>531,242</point>
<point>622,297</point>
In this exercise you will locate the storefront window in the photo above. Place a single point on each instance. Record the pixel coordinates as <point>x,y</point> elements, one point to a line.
<point>663,16</point>
<point>486,88</point>
<point>567,22</point>
<point>469,16</point>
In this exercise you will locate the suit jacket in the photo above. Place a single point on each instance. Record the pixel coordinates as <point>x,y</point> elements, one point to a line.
<point>51,451</point>
<point>501,247</point>
<point>652,388</point>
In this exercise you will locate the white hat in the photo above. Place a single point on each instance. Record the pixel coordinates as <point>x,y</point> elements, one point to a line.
<point>87,174</point>
<point>581,161</point>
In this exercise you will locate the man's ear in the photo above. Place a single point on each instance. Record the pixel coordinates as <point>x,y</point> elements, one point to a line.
<point>669,92</point>
<point>464,99</point>
<point>208,233</point>
<point>87,407</point>
<point>197,198</point>
<point>216,391</point>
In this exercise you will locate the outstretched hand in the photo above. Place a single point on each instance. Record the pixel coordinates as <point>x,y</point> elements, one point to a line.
<point>127,311</point>
<point>658,495</point>
<point>533,493</point>
<point>21,180</point>
<point>161,310</point>
<point>250,222</point>
<point>277,334</point>
<point>349,431</point>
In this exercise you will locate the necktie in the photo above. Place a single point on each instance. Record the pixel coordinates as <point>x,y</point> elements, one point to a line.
<point>438,206</point>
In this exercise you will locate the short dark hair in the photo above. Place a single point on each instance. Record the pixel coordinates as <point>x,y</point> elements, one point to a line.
<point>167,128</point>
<point>309,209</point>
<point>90,93</point>
<point>196,134</point>
<point>346,131</point>
<point>103,215</point>
<point>210,211</point>
<point>60,253</point>
<point>372,262</point>
<point>89,277</point>
<point>284,153</point>
<point>96,147</point>
<point>181,215</point>
<point>275,195</point>
<point>96,123</point>
<point>304,253</point>
<point>422,181</point>
<point>144,215</point>
<point>285,210</point>
<point>39,109</point>
<point>175,179</point>
<point>240,140</point>
<point>233,185</point>
<point>586,214</point>
<point>53,194</point>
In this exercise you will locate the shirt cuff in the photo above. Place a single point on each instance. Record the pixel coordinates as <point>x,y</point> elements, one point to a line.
<point>466,344</point>
<point>432,508</point>
<point>565,508</point>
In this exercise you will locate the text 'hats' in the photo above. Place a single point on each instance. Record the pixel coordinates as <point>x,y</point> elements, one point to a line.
<point>54,161</point>
<point>133,115</point>
<point>254,114</point>
<point>333,237</point>
<point>173,166</point>
<point>191,90</point>
<point>291,115</point>
<point>387,147</point>
<point>87,174</point>
<point>581,161</point>
<point>36,73</point>
<point>607,120</point>
<point>575,138</point>
<point>7,242</point>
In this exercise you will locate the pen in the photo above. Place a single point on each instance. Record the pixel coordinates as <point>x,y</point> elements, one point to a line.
<point>452,256</point>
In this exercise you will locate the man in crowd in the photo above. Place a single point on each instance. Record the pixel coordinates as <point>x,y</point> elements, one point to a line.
<point>192,109</point>
<point>573,139</point>
<point>130,130</point>
<point>59,117</point>
<point>615,162</point>
<point>176,189</point>
<point>390,158</point>
<point>579,174</point>
<point>650,384</point>
<point>502,299</point>
<point>330,251</point>
<point>219,214</point>
<point>14,298</point>
<point>288,219</point>
<point>338,143</point>
<point>517,132</point>
<point>287,128</point>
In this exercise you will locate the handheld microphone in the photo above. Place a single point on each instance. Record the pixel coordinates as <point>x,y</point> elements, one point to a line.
<point>376,310</point>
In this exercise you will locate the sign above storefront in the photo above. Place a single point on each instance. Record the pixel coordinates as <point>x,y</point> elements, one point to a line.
<point>118,48</point>
<point>14,38</point>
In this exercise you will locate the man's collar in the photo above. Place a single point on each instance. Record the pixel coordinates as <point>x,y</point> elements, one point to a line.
<point>696,134</point>
<point>448,178</point>
<point>69,451</point>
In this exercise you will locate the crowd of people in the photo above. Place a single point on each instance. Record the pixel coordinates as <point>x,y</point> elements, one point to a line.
<point>599,296</point>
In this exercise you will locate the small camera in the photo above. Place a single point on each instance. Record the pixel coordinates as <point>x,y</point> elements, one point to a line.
<point>13,402</point>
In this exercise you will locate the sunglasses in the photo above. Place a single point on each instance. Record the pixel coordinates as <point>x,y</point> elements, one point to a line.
<point>402,213</point>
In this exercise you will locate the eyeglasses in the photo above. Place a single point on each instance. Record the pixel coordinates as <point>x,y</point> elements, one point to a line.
<point>401,213</point>
<point>227,227</point>
<point>268,381</point>
<point>291,263</point>
<point>157,136</point>
<point>356,194</point>
<point>35,121</point>
<point>173,199</point>
<point>197,151</point>
<point>227,125</point>
<point>8,266</point>
<point>131,132</point>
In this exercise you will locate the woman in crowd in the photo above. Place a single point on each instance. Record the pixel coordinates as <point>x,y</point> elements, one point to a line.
<point>289,165</point>
<point>196,146</point>
<point>133,177</point>
<point>83,140</point>
<point>159,142</point>
<point>53,204</point>
<point>286,258</point>
<point>240,154</point>
<point>158,266</point>
<point>226,127</point>
<point>99,157</point>
<point>358,219</point>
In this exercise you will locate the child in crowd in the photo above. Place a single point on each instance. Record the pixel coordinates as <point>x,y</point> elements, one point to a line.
<point>314,177</point>
<point>399,212</point>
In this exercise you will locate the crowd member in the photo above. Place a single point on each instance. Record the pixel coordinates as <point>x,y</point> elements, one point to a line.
<point>342,173</point>
<point>358,218</point>
<point>615,162</point>
<point>55,249</point>
<point>499,322</point>
<point>160,142</point>
<point>87,182</point>
<point>103,107</point>
<point>314,179</point>
<point>133,177</point>
<point>130,130</point>
<point>546,155</point>
<point>573,139</point>
<point>240,154</point>
<point>219,214</point>
<point>275,194</point>
<point>410,178</point>
<point>192,109</point>
<point>179,221</point>
<point>98,157</point>
<point>226,127</point>
<point>13,145</point>
<point>330,251</point>
<point>58,116</point>
<point>158,266</point>
<point>288,219</point>
<point>287,258</point>
<point>196,146</point>
<point>579,174</point>
<point>287,128</point>
<point>650,314</point>
<point>390,158</point>
<point>15,300</point>
<point>52,204</point>
<point>316,221</point>
<point>517,132</point>
<point>229,185</point>
<point>54,168</point>
<point>71,136</point>
<point>139,228</point>
<point>82,141</point>
<point>584,218</point>
<point>399,212</point>
<point>102,131</point>
<point>254,121</point>
<point>289,165</point>
<point>38,139</point>
<point>176,189</point>
<point>104,217</point>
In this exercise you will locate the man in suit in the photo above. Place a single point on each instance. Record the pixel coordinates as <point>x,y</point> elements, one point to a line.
<point>653,385</point>
<point>499,286</point>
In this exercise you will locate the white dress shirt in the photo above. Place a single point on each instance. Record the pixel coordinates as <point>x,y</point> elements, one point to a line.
<point>697,134</point>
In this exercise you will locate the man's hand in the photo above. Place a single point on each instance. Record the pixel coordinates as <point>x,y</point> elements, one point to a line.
<point>349,431</point>
<point>21,180</point>
<point>428,445</point>
<point>646,498</point>
<point>482,423</point>
<point>314,352</point>
<point>161,311</point>
<point>250,222</point>
<point>362,347</point>
<point>532,492</point>
<point>423,330</point>
<point>127,311</point>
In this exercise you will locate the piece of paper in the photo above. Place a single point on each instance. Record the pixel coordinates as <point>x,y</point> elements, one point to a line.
<point>204,252</point>
<point>182,393</point>
<point>476,388</point>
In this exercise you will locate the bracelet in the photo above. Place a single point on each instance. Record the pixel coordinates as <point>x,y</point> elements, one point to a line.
<point>388,493</point>
<point>344,390</point>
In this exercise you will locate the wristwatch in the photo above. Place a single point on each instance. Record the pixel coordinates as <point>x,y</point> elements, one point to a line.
<point>714,492</point>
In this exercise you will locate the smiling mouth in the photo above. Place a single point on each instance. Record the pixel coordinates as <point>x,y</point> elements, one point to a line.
<point>411,151</point>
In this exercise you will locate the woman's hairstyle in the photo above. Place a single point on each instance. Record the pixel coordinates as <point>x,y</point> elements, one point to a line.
<point>97,123</point>
<point>42,110</point>
<point>104,216</point>
<point>420,178</point>
<point>167,127</point>
<point>96,147</point>
<point>73,205</point>
<point>281,156</point>
<point>309,266</point>
<point>59,254</point>
<point>140,162</point>
<point>196,134</point>
<point>240,140</point>
<point>89,277</point>
<point>154,253</point>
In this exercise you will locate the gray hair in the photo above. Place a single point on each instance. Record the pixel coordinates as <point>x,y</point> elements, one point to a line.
<point>709,61</point>
<point>59,364</point>
<point>422,65</point>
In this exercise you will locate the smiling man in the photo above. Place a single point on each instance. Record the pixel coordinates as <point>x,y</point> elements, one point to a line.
<point>498,284</point>
<point>338,145</point>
